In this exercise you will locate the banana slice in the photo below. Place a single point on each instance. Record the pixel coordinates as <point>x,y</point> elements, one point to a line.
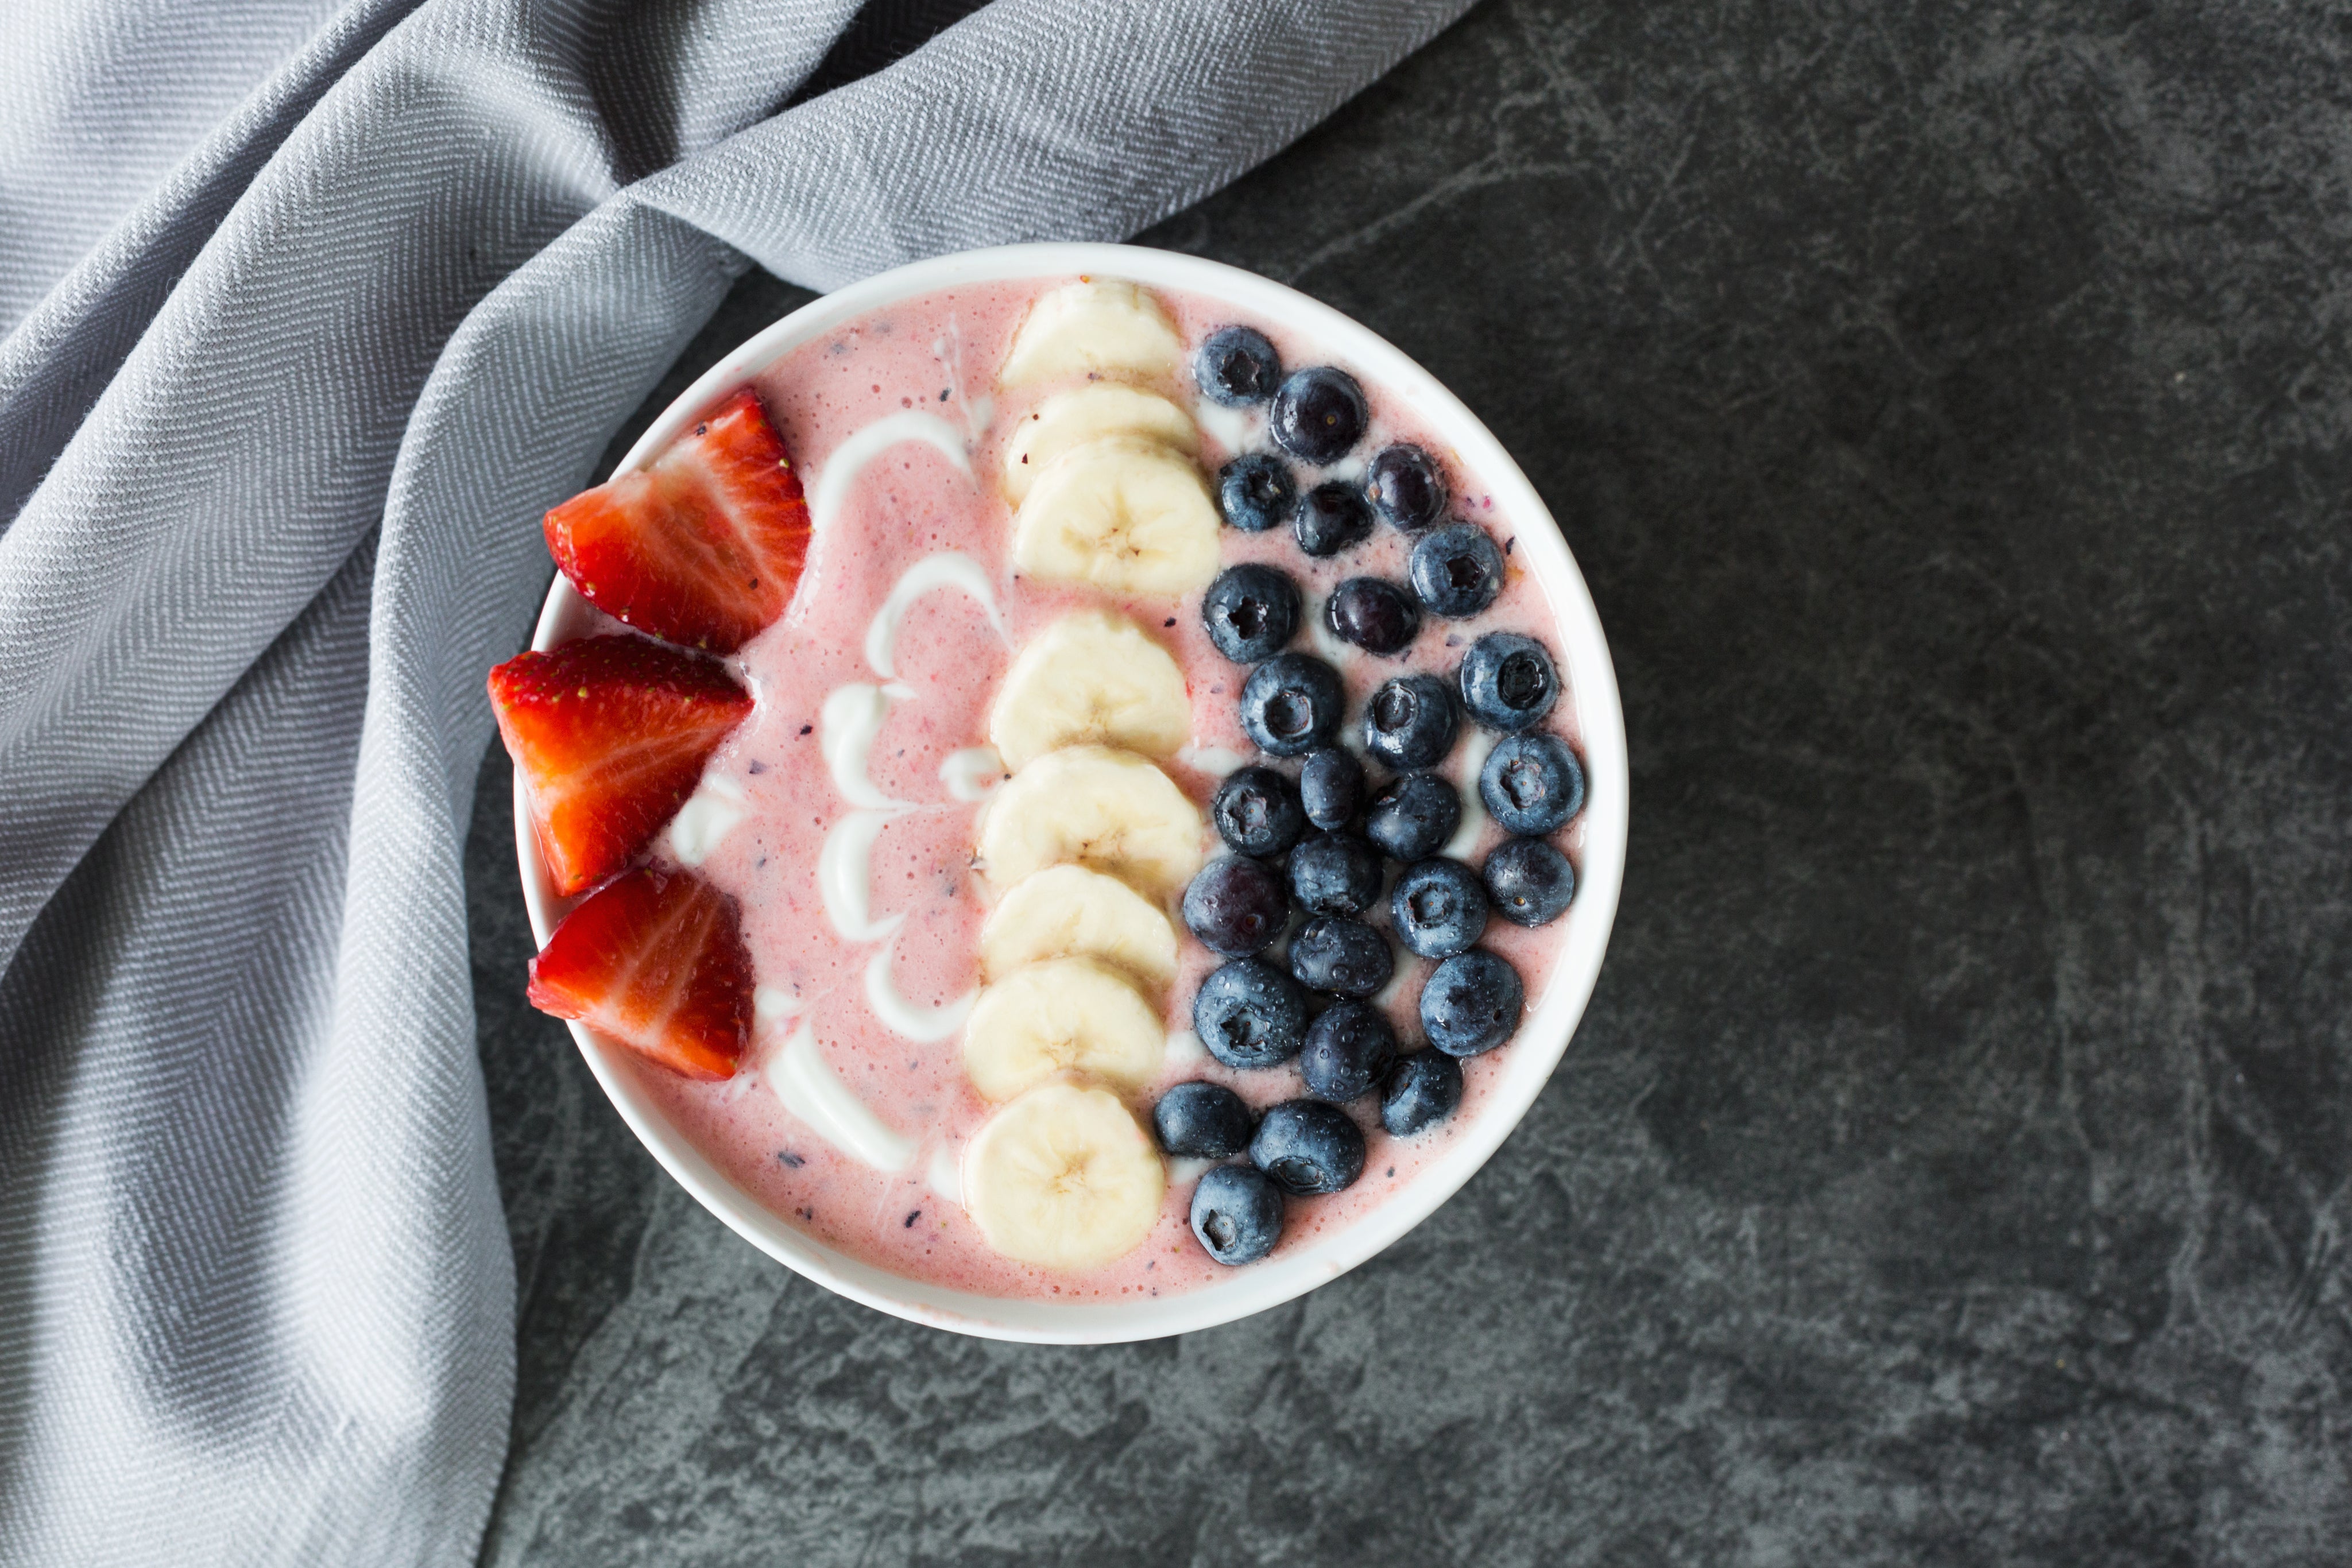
<point>1066,1015</point>
<point>1126,514</point>
<point>1065,911</point>
<point>1063,1178</point>
<point>1103,328</point>
<point>1092,806</point>
<point>1090,678</point>
<point>1088,414</point>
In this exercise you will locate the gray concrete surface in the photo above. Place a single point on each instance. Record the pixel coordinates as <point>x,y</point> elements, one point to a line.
<point>1950,405</point>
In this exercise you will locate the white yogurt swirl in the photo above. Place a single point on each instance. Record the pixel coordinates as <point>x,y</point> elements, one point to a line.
<point>812,1091</point>
<point>941,569</point>
<point>845,461</point>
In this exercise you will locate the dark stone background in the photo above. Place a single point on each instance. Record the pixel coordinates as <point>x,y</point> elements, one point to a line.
<point>1948,404</point>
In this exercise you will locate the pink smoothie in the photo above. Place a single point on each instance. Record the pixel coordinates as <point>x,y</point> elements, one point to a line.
<point>936,356</point>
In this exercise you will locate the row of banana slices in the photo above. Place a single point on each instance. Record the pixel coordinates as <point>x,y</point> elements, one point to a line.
<point>1088,842</point>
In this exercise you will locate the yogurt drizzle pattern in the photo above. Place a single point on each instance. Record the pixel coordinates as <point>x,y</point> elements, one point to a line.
<point>851,718</point>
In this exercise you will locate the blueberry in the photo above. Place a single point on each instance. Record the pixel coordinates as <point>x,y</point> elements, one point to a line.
<point>1531,783</point>
<point>1237,1214</point>
<point>1508,681</point>
<point>1318,414</point>
<point>1250,612</point>
<point>1250,1014</point>
<point>1235,907</point>
<point>1255,491</point>
<point>1307,1146</point>
<point>1349,1047</point>
<point>1335,873</point>
<point>1330,518</point>
<point>1291,705</point>
<point>1237,367</point>
<point>1438,907</point>
<point>1529,882</point>
<point>1471,1003</point>
<point>1202,1120</point>
<point>1375,615</point>
<point>1422,1090</point>
<point>1404,485</point>
<point>1257,811</point>
<point>1411,722</point>
<point>1456,571</point>
<point>1413,815</point>
<point>1331,785</point>
<point>1346,957</point>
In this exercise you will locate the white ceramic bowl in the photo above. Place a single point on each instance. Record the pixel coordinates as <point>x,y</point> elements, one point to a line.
<point>1528,1061</point>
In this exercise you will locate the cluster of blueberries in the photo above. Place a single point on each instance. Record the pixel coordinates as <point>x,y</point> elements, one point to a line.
<point>1320,845</point>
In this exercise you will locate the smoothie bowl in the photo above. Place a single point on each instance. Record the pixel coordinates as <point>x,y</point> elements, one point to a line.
<point>1068,794</point>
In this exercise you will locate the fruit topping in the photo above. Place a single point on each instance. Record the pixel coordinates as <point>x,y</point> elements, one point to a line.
<point>1093,327</point>
<point>611,735</point>
<point>1374,614</point>
<point>1063,1016</point>
<point>704,546</point>
<point>1292,704</point>
<point>1237,367</point>
<point>1255,491</point>
<point>1456,572</point>
<point>1249,612</point>
<point>1202,1121</point>
<point>1318,414</point>
<point>1090,679</point>
<point>656,960</point>
<point>1110,811</point>
<point>1237,1214</point>
<point>1471,1003</point>
<point>1335,873</point>
<point>1531,783</point>
<point>1124,514</point>
<point>1422,1090</point>
<point>1341,955</point>
<point>1509,681</point>
<point>1438,907</point>
<point>1413,815</point>
<point>1348,1048</point>
<point>1064,1177</point>
<point>1331,785</point>
<point>1071,419</point>
<point>1411,722</point>
<point>1330,518</point>
<point>1305,1147</point>
<point>1067,911</point>
<point>1257,811</point>
<point>1235,907</point>
<point>1529,883</point>
<point>1250,1014</point>
<point>1404,485</point>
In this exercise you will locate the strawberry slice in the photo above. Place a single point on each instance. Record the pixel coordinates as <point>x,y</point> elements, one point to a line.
<point>611,734</point>
<point>656,960</point>
<point>705,546</point>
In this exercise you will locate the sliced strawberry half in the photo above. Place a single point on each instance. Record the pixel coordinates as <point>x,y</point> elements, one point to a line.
<point>611,734</point>
<point>656,960</point>
<point>705,546</point>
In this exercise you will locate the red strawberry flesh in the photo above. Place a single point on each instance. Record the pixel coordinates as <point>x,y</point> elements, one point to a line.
<point>611,735</point>
<point>656,960</point>
<point>705,546</point>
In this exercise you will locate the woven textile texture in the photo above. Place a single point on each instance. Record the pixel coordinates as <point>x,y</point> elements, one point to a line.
<point>312,310</point>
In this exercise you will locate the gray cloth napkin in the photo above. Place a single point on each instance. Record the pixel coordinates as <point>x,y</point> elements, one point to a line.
<point>312,310</point>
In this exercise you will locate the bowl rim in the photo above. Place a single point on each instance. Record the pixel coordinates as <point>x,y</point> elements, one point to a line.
<point>1543,1037</point>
